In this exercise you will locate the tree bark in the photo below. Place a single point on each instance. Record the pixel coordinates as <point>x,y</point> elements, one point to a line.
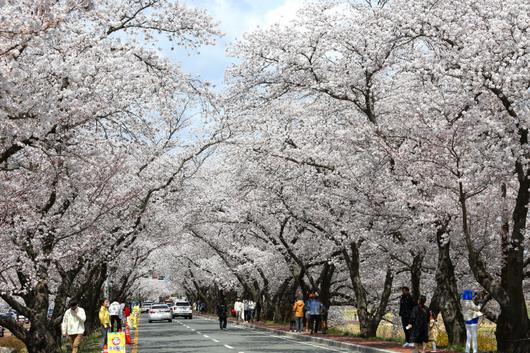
<point>513,326</point>
<point>446,299</point>
<point>368,319</point>
<point>415,275</point>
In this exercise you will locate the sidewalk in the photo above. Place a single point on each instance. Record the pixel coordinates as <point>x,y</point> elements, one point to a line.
<point>354,344</point>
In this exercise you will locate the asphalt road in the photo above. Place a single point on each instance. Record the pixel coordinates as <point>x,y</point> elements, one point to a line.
<point>201,335</point>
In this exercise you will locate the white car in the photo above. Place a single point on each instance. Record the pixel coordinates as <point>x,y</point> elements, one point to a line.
<point>159,312</point>
<point>145,307</point>
<point>182,308</point>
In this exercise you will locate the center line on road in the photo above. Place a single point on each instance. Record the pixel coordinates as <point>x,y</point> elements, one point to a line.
<point>216,341</point>
<point>206,336</point>
<point>229,347</point>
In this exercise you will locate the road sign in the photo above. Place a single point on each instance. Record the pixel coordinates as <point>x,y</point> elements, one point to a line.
<point>116,342</point>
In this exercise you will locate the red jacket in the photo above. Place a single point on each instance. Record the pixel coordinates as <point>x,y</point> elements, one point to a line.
<point>127,311</point>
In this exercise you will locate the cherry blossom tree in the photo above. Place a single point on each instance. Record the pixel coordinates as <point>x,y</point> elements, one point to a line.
<point>98,137</point>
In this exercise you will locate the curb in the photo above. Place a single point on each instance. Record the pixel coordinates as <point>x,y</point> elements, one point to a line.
<point>352,347</point>
<point>325,341</point>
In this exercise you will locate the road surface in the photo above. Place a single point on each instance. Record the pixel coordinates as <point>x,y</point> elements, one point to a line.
<point>202,335</point>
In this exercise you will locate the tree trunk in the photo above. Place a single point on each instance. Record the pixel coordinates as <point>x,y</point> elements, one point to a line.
<point>513,326</point>
<point>446,299</point>
<point>325,283</point>
<point>41,338</point>
<point>415,275</point>
<point>368,321</point>
<point>92,298</point>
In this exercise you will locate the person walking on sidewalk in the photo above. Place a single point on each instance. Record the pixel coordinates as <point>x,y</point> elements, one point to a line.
<point>314,311</point>
<point>299,315</point>
<point>222,312</point>
<point>419,323</point>
<point>406,304</point>
<point>238,307</point>
<point>127,314</point>
<point>246,309</point>
<point>307,313</point>
<point>252,309</point>
<point>291,315</point>
<point>258,311</point>
<point>104,319</point>
<point>114,312</point>
<point>73,325</point>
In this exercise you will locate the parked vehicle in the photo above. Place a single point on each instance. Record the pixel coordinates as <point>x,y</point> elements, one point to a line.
<point>145,307</point>
<point>183,309</point>
<point>159,312</point>
<point>22,319</point>
<point>8,316</point>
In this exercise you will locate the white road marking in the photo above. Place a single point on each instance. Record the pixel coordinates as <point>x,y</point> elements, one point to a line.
<point>229,347</point>
<point>216,341</point>
<point>193,329</point>
<point>305,343</point>
<point>206,336</point>
<point>199,332</point>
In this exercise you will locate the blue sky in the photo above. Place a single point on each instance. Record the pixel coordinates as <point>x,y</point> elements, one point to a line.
<point>235,17</point>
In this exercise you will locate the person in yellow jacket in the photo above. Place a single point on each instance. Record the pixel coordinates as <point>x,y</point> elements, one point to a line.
<point>135,315</point>
<point>104,319</point>
<point>298,309</point>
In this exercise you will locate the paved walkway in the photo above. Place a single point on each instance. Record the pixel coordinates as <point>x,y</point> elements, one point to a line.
<point>340,341</point>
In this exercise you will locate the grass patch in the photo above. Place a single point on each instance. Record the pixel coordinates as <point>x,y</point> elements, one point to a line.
<point>89,344</point>
<point>388,332</point>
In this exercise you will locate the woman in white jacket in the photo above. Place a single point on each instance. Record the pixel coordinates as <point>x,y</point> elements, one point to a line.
<point>471,313</point>
<point>73,325</point>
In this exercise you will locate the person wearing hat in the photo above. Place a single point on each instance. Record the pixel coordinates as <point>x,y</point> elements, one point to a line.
<point>471,313</point>
<point>73,325</point>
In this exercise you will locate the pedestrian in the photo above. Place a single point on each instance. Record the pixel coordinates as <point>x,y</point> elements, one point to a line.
<point>135,315</point>
<point>291,315</point>
<point>419,323</point>
<point>222,312</point>
<point>246,310</point>
<point>299,315</point>
<point>73,325</point>
<point>471,313</point>
<point>406,304</point>
<point>258,311</point>
<point>324,319</point>
<point>122,315</point>
<point>104,319</point>
<point>307,313</point>
<point>251,308</point>
<point>238,306</point>
<point>433,330</point>
<point>114,312</point>
<point>127,314</point>
<point>314,311</point>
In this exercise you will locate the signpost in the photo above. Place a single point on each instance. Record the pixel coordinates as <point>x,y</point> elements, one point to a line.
<point>116,342</point>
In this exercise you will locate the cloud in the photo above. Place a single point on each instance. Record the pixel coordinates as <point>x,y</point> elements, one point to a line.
<point>284,13</point>
<point>235,17</point>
